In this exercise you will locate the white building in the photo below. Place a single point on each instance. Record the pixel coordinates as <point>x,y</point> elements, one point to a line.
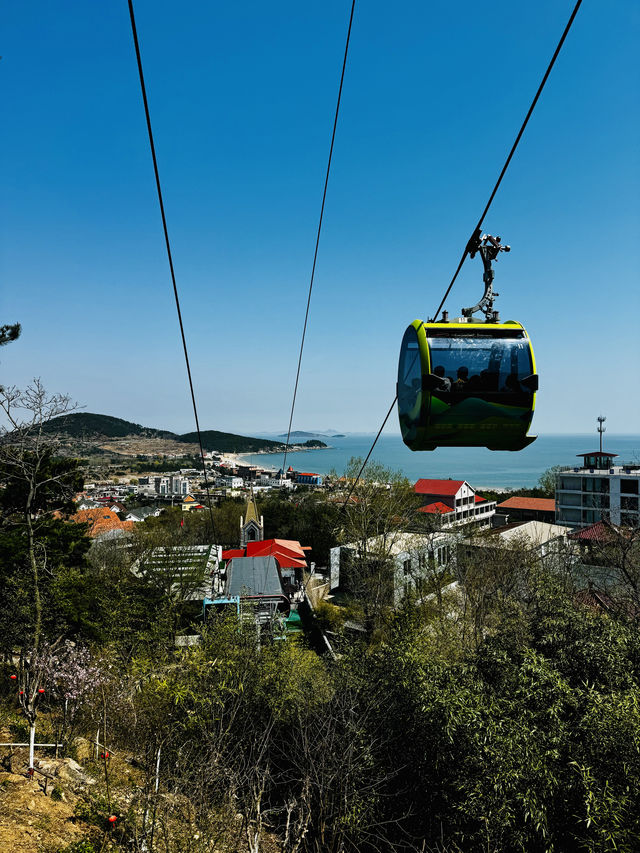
<point>454,502</point>
<point>538,537</point>
<point>230,482</point>
<point>172,485</point>
<point>598,490</point>
<point>413,558</point>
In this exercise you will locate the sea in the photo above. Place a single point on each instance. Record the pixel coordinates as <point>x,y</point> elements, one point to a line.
<point>480,467</point>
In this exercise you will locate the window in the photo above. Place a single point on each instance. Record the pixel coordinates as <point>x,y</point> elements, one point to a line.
<point>569,515</point>
<point>409,380</point>
<point>629,487</point>
<point>595,484</point>
<point>590,516</point>
<point>569,483</point>
<point>485,365</point>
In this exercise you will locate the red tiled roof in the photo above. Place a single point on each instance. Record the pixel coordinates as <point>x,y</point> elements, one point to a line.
<point>598,532</point>
<point>479,499</point>
<point>100,520</point>
<point>438,487</point>
<point>232,552</point>
<point>539,504</point>
<point>288,553</point>
<point>253,548</point>
<point>437,507</point>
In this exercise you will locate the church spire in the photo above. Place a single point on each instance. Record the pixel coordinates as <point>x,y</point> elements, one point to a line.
<point>252,510</point>
<point>252,525</point>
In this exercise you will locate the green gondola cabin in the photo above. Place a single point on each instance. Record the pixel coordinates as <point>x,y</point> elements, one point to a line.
<point>466,384</point>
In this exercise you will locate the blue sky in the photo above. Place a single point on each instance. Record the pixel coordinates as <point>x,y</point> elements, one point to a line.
<point>242,99</point>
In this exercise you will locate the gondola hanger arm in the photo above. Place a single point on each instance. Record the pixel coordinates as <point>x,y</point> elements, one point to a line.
<point>489,248</point>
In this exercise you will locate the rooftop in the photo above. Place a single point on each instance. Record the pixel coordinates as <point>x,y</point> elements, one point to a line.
<point>533,532</point>
<point>436,508</point>
<point>438,487</point>
<point>253,577</point>
<point>622,468</point>
<point>601,531</point>
<point>100,520</point>
<point>537,504</point>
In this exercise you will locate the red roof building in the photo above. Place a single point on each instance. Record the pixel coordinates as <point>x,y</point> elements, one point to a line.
<point>101,521</point>
<point>455,501</point>
<point>529,509</point>
<point>438,487</point>
<point>230,553</point>
<point>602,532</point>
<point>436,508</point>
<point>288,553</point>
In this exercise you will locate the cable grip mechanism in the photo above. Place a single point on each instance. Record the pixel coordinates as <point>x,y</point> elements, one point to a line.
<point>489,248</point>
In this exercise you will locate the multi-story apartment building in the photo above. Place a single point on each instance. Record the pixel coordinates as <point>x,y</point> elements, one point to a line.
<point>598,489</point>
<point>172,485</point>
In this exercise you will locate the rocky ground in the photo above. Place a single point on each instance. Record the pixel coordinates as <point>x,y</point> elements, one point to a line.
<point>34,820</point>
<point>64,805</point>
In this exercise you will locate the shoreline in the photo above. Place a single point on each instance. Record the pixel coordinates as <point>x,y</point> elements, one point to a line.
<point>482,469</point>
<point>234,459</point>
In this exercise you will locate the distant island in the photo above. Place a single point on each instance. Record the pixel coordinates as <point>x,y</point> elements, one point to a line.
<point>91,428</point>
<point>298,433</point>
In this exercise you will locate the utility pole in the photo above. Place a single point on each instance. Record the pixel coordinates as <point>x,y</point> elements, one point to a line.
<point>601,429</point>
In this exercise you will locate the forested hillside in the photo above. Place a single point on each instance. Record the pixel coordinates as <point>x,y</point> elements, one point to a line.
<point>87,425</point>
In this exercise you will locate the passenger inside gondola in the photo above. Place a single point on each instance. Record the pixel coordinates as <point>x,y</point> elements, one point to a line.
<point>512,384</point>
<point>462,377</point>
<point>445,382</point>
<point>489,370</point>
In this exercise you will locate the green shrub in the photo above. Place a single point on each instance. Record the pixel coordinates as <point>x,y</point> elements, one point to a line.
<point>84,846</point>
<point>329,616</point>
<point>93,809</point>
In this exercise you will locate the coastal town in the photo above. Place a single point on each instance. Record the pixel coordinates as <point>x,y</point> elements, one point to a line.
<point>319,443</point>
<point>592,502</point>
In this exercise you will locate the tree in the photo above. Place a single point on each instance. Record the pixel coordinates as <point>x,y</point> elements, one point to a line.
<point>547,481</point>
<point>175,566</point>
<point>9,333</point>
<point>36,483</point>
<point>376,518</point>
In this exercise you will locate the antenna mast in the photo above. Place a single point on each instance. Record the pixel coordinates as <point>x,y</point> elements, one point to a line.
<point>601,429</point>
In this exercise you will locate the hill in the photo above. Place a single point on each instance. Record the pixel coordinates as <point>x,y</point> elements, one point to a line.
<point>228,442</point>
<point>90,426</point>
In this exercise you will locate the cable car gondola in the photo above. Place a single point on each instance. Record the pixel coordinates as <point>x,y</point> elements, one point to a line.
<point>467,383</point>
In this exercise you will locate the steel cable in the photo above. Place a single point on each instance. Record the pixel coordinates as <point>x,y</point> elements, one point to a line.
<point>170,256</point>
<point>480,221</point>
<point>315,254</point>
